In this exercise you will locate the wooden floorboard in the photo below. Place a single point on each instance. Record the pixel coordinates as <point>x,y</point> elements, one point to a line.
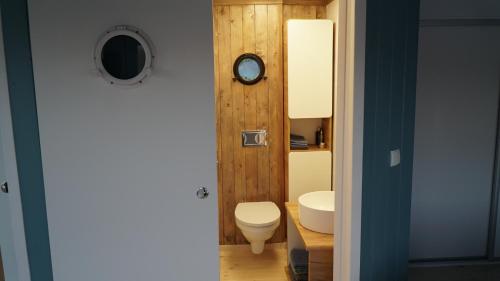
<point>237,263</point>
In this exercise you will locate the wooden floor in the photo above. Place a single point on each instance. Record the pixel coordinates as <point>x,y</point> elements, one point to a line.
<point>237,263</point>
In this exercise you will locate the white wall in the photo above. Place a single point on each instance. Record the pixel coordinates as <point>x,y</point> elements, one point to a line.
<point>456,118</point>
<point>456,110</point>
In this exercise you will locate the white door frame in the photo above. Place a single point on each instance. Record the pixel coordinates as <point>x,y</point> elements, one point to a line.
<point>348,138</point>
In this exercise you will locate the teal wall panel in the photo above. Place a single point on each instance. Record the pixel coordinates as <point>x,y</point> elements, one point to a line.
<point>390,86</point>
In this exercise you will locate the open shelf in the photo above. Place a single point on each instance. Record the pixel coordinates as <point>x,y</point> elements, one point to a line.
<point>307,128</point>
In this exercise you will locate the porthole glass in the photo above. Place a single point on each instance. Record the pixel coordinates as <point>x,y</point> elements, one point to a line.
<point>123,56</point>
<point>249,69</point>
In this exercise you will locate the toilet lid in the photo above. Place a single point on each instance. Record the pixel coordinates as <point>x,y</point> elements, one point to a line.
<point>257,214</point>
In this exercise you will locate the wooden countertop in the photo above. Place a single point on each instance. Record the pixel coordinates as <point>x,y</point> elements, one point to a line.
<point>313,240</point>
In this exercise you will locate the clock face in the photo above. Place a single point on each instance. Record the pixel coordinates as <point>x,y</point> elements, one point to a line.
<point>249,69</point>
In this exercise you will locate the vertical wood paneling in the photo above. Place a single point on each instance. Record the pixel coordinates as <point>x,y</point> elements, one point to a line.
<point>303,12</point>
<point>217,119</point>
<point>249,174</point>
<point>238,112</point>
<point>262,97</point>
<point>275,80</point>
<point>250,105</point>
<point>389,119</point>
<point>226,122</point>
<point>321,12</point>
<point>287,14</point>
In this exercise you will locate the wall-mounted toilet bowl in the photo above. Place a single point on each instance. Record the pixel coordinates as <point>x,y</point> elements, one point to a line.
<point>257,221</point>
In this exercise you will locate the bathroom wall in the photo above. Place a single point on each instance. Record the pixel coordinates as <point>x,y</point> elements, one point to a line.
<point>248,173</point>
<point>251,174</point>
<point>459,9</point>
<point>456,121</point>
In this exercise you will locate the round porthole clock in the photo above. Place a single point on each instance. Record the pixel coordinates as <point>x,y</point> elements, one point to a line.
<point>249,69</point>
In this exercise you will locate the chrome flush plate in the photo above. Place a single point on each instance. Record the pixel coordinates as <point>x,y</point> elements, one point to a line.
<point>254,138</point>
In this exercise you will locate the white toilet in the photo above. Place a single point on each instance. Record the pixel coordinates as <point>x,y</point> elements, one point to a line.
<point>257,221</point>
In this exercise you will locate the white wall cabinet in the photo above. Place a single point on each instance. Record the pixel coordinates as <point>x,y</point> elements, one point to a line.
<point>310,68</point>
<point>308,172</point>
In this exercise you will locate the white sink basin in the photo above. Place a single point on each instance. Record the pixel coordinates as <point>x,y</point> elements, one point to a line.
<point>317,211</point>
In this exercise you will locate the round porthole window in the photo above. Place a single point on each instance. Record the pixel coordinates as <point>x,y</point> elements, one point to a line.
<point>124,56</point>
<point>249,69</point>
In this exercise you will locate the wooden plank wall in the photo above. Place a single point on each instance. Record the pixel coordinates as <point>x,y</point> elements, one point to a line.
<point>246,173</point>
<point>251,174</point>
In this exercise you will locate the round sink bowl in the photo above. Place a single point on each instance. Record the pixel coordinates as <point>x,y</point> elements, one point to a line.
<point>317,211</point>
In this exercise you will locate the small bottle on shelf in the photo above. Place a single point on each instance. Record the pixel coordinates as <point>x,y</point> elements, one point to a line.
<point>321,138</point>
<point>318,136</point>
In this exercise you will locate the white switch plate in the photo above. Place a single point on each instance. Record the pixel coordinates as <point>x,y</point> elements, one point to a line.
<point>395,157</point>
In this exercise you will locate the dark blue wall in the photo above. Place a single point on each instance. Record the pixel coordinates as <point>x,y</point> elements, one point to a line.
<point>27,143</point>
<point>390,86</point>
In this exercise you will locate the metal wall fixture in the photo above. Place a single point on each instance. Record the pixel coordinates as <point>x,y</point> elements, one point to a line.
<point>124,56</point>
<point>254,138</point>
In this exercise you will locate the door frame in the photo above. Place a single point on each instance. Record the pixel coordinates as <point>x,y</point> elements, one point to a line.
<point>25,173</point>
<point>348,138</point>
<point>10,165</point>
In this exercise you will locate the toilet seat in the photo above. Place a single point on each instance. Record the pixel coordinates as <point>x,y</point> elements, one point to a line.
<point>257,214</point>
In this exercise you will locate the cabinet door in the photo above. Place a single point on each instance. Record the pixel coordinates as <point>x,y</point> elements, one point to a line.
<point>308,172</point>
<point>310,68</point>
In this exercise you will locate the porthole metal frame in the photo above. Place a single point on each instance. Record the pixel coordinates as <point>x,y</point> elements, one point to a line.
<point>257,59</point>
<point>136,34</point>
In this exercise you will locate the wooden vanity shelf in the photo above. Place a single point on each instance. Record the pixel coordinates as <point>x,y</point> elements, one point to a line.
<point>318,245</point>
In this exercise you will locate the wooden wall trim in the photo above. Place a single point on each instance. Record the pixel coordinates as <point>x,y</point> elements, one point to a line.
<point>272,2</point>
